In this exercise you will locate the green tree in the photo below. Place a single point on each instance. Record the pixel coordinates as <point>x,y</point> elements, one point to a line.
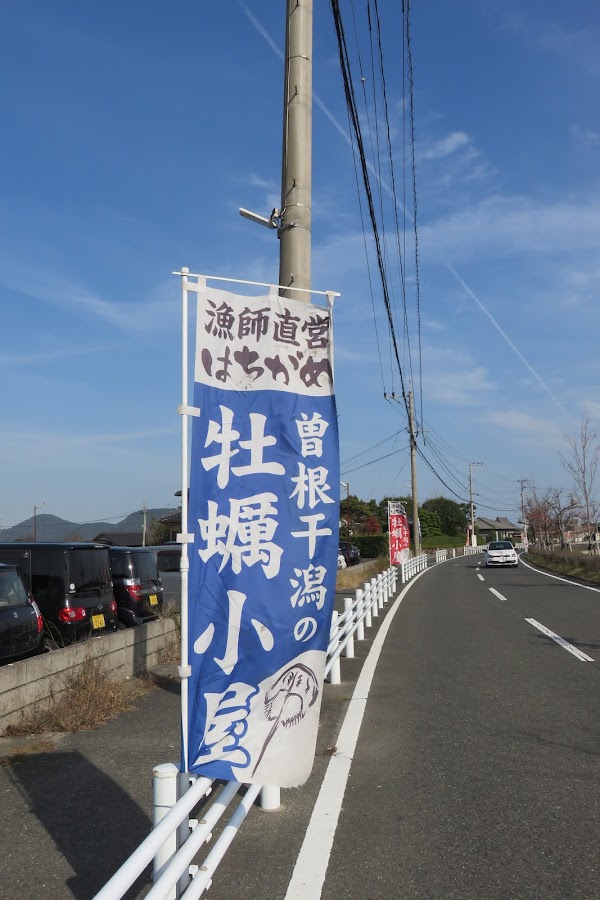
<point>431,525</point>
<point>452,515</point>
<point>157,533</point>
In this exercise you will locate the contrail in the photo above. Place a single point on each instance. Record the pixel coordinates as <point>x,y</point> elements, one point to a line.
<point>501,331</point>
<point>344,133</point>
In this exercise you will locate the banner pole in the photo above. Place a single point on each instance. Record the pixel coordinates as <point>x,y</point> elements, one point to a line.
<point>184,666</point>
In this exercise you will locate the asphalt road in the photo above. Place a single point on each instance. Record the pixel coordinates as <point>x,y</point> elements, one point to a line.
<point>475,774</point>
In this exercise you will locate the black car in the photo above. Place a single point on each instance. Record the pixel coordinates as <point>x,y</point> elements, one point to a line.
<point>21,624</point>
<point>350,553</point>
<point>70,583</point>
<point>136,584</point>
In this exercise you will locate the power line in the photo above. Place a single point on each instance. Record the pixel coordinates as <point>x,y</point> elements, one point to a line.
<point>374,447</point>
<point>372,461</point>
<point>355,123</point>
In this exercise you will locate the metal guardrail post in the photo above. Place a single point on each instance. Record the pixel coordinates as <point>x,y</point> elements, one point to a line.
<point>374,599</point>
<point>335,673</point>
<point>183,832</point>
<point>270,797</point>
<point>164,798</point>
<point>379,593</point>
<point>360,631</point>
<point>349,616</point>
<point>367,602</point>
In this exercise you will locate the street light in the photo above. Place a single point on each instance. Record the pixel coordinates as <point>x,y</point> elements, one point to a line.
<point>35,509</point>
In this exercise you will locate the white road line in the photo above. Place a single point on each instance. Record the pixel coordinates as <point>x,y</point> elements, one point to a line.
<point>498,595</point>
<point>311,866</point>
<point>481,578</point>
<point>555,637</point>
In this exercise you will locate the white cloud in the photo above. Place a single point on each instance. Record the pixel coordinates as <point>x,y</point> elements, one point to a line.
<point>43,356</point>
<point>267,184</point>
<point>141,316</point>
<point>507,225</point>
<point>585,137</point>
<point>524,425</point>
<point>446,146</point>
<point>434,325</point>
<point>451,378</point>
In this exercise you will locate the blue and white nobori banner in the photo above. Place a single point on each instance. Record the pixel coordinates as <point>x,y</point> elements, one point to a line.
<point>264,515</point>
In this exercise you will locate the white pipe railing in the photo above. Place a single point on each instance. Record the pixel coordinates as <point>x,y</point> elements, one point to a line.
<point>358,614</point>
<point>176,839</point>
<point>411,568</point>
<point>468,551</point>
<point>441,556</point>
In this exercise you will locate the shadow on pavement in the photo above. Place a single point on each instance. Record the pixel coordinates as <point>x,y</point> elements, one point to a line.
<point>93,822</point>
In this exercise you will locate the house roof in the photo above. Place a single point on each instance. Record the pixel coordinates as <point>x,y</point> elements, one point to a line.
<point>500,523</point>
<point>120,538</point>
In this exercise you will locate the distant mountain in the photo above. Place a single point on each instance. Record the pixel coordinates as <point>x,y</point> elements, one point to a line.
<point>53,528</point>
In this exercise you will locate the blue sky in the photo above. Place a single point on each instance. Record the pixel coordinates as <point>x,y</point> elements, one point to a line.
<point>133,132</point>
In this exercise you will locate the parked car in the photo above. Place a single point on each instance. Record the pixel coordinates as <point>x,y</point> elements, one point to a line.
<point>21,623</point>
<point>168,563</point>
<point>350,552</point>
<point>501,553</point>
<point>71,585</point>
<point>136,584</point>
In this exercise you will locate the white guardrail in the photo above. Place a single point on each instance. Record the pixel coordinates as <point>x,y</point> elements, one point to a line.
<point>468,551</point>
<point>411,568</point>
<point>176,838</point>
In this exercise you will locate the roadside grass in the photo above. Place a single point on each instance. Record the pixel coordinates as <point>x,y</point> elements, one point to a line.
<point>586,568</point>
<point>89,699</point>
<point>354,576</point>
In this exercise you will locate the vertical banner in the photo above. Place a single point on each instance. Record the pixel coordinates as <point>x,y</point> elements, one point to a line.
<point>264,515</point>
<point>399,532</point>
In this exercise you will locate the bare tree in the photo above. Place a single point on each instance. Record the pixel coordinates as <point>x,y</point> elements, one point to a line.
<point>582,465</point>
<point>562,508</point>
<point>539,517</point>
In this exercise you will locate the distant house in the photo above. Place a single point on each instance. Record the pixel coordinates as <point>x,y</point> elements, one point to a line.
<point>173,521</point>
<point>497,529</point>
<point>120,538</point>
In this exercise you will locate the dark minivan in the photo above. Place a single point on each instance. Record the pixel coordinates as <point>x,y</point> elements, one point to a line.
<point>21,624</point>
<point>136,584</point>
<point>70,583</point>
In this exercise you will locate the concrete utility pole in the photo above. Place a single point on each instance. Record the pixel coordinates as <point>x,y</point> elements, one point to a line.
<point>473,538</point>
<point>295,224</point>
<point>523,482</point>
<point>35,509</point>
<point>413,472</point>
<point>145,508</point>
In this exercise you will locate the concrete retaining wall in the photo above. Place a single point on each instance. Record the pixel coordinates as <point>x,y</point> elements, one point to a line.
<point>32,682</point>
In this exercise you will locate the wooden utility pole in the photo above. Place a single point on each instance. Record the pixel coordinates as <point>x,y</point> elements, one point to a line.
<point>413,472</point>
<point>296,179</point>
